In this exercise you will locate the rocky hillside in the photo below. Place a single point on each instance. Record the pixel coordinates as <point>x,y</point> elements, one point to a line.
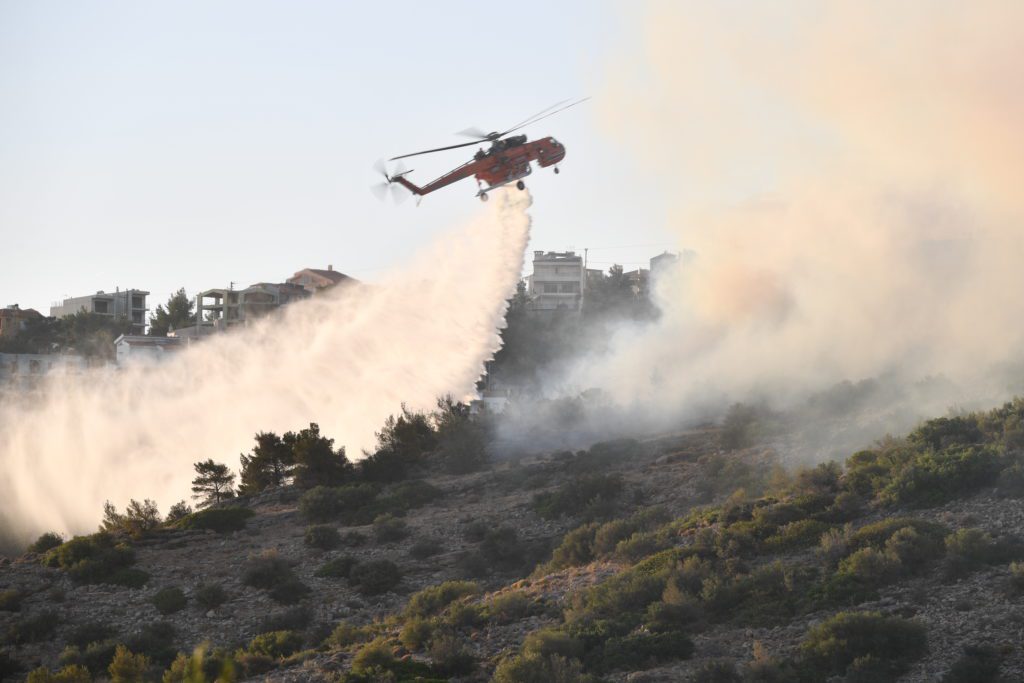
<point>691,556</point>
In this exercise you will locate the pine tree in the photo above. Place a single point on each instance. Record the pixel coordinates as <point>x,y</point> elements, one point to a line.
<point>272,463</point>
<point>178,314</point>
<point>213,483</point>
<point>316,461</point>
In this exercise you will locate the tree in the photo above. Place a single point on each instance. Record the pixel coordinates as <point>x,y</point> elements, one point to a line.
<point>401,444</point>
<point>126,667</point>
<point>213,483</point>
<point>316,461</point>
<point>179,313</point>
<point>138,518</point>
<point>272,463</point>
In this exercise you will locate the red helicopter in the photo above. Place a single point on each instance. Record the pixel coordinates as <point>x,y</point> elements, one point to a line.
<point>506,161</point>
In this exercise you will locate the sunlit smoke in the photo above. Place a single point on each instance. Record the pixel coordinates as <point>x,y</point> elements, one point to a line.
<point>346,360</point>
<point>848,174</point>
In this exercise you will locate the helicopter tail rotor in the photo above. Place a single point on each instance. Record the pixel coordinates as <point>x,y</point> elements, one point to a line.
<point>388,186</point>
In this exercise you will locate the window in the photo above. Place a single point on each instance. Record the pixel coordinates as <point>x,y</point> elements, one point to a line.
<point>550,287</point>
<point>138,302</point>
<point>570,288</point>
<point>99,306</point>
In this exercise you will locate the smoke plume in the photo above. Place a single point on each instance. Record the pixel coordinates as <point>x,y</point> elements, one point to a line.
<point>346,360</point>
<point>848,174</point>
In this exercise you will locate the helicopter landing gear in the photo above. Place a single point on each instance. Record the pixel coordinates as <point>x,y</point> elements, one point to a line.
<point>521,185</point>
<point>483,196</point>
<point>556,170</point>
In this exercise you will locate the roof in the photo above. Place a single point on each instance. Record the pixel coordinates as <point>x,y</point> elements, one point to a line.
<point>142,340</point>
<point>329,274</point>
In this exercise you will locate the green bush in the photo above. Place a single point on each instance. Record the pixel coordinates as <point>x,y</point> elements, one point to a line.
<point>388,528</point>
<point>578,495</point>
<point>832,646</point>
<point>640,545</point>
<point>501,547</point>
<point>95,656</point>
<point>289,592</point>
<point>127,667</point>
<point>798,534</point>
<point>914,550</point>
<point>508,607</point>
<point>1017,577</point>
<point>338,568</point>
<point>450,657</point>
<point>96,559</point>
<point>322,536</point>
<point>156,641</point>
<point>553,642</point>
<point>933,478</point>
<point>210,595</point>
<point>32,629</point>
<point>292,619</point>
<point>276,644</point>
<point>375,576</point>
<point>169,600</point>
<point>970,549</point>
<point>416,632</point>
<point>408,495</point>
<point>717,671</point>
<point>373,655</point>
<point>424,548</point>
<point>977,664</point>
<point>475,531</point>
<point>222,520</point>
<point>46,541</point>
<point>9,667</point>
<point>878,533</point>
<point>576,548</point>
<point>90,632</point>
<point>325,503</point>
<point>266,571</point>
<point>534,667</point>
<point>434,599</point>
<point>10,600</point>
<point>73,673</point>
<point>463,615</point>
<point>640,651</point>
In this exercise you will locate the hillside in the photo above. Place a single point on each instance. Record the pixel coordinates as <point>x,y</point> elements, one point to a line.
<point>690,556</point>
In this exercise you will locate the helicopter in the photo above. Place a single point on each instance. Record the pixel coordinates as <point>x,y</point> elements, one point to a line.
<point>506,161</point>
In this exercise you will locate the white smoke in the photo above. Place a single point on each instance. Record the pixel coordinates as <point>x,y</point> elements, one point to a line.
<point>345,360</point>
<point>848,174</point>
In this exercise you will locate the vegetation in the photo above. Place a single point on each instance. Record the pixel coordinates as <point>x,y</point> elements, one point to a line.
<point>322,537</point>
<point>98,558</point>
<point>374,577</point>
<point>179,313</point>
<point>222,520</point>
<point>169,600</point>
<point>213,483</point>
<point>45,542</point>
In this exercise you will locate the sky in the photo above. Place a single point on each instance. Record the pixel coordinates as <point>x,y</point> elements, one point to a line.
<point>195,144</point>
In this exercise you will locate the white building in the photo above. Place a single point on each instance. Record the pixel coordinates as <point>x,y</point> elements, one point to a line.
<point>130,304</point>
<point>557,281</point>
<point>24,369</point>
<point>132,348</point>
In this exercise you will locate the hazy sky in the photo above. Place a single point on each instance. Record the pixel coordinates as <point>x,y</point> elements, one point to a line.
<point>158,145</point>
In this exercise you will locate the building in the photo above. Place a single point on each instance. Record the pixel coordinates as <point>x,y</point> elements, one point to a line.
<point>229,307</point>
<point>14,319</point>
<point>314,279</point>
<point>25,369</point>
<point>557,281</point>
<point>134,348</point>
<point>130,304</point>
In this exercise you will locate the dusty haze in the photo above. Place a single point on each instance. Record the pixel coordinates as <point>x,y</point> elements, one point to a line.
<point>849,176</point>
<point>346,360</point>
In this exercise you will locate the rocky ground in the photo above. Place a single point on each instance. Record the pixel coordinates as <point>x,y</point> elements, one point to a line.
<point>666,471</point>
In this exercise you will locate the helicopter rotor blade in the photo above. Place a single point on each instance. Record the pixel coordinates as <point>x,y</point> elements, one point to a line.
<point>399,193</point>
<point>438,149</point>
<point>474,132</point>
<point>528,119</point>
<point>381,168</point>
<point>535,119</point>
<point>380,190</point>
